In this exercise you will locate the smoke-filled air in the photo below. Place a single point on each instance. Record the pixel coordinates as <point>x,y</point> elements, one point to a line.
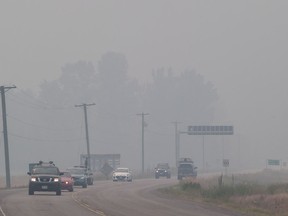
<point>146,71</point>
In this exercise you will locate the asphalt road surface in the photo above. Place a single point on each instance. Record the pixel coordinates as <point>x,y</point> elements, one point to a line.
<point>105,198</point>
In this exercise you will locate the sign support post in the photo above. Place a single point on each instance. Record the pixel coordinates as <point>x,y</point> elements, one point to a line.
<point>210,130</point>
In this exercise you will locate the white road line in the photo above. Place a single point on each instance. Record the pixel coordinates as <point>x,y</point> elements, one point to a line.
<point>84,205</point>
<point>2,211</point>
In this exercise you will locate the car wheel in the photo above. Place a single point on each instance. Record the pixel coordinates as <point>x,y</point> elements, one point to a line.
<point>71,189</point>
<point>84,186</point>
<point>58,192</point>
<point>31,192</point>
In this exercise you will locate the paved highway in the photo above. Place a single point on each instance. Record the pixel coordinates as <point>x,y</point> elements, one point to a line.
<point>105,198</point>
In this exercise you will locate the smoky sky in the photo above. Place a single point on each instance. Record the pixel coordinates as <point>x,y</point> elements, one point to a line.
<point>239,46</point>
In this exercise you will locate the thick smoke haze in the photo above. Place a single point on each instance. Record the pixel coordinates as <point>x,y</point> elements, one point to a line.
<point>238,48</point>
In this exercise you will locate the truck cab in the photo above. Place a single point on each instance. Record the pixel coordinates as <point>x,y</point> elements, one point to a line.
<point>186,168</point>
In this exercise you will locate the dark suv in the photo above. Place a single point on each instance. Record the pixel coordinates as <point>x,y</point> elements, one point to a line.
<point>162,169</point>
<point>45,177</point>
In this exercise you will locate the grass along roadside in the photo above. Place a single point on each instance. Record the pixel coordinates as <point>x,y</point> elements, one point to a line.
<point>16,181</point>
<point>264,193</point>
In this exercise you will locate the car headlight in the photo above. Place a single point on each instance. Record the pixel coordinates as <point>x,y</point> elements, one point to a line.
<point>33,179</point>
<point>56,179</point>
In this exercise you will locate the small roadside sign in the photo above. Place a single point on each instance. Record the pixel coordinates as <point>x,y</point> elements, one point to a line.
<point>225,162</point>
<point>106,169</point>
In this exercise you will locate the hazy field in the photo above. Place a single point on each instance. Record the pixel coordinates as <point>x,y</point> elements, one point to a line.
<point>16,181</point>
<point>263,193</point>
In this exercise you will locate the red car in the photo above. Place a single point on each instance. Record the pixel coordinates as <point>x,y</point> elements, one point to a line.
<point>67,182</point>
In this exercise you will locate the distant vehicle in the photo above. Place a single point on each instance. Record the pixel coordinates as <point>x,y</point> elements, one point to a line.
<point>80,176</point>
<point>162,170</point>
<point>67,182</point>
<point>186,168</point>
<point>181,160</point>
<point>44,177</point>
<point>122,174</point>
<point>89,174</point>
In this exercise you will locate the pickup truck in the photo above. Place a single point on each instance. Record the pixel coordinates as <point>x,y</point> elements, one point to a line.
<point>186,168</point>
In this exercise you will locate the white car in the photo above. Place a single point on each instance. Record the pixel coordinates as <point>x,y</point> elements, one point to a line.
<point>122,174</point>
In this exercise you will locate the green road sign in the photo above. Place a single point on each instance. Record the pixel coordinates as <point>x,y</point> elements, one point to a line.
<point>210,130</point>
<point>272,162</point>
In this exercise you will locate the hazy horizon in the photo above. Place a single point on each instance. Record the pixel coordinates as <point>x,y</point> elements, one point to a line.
<point>238,46</point>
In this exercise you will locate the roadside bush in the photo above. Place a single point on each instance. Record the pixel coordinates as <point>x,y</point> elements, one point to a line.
<point>227,191</point>
<point>259,194</point>
<point>190,185</point>
<point>246,189</point>
<point>215,192</point>
<point>277,188</point>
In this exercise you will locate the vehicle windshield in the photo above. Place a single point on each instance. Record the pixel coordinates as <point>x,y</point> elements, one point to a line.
<point>163,166</point>
<point>66,174</point>
<point>122,170</point>
<point>77,171</point>
<point>185,166</point>
<point>45,170</point>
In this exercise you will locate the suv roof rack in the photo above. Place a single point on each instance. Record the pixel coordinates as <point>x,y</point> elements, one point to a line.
<point>50,162</point>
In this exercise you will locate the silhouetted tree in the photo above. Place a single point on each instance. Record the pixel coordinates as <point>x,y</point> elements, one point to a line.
<point>75,85</point>
<point>185,97</point>
<point>117,102</point>
<point>54,124</point>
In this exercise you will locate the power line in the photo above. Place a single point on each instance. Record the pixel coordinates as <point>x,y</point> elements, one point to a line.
<point>158,133</point>
<point>22,101</point>
<point>34,103</point>
<point>40,126</point>
<point>44,140</point>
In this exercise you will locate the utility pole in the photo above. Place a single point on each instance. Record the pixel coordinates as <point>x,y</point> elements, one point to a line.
<point>5,133</point>
<point>177,136</point>
<point>143,125</point>
<point>84,105</point>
